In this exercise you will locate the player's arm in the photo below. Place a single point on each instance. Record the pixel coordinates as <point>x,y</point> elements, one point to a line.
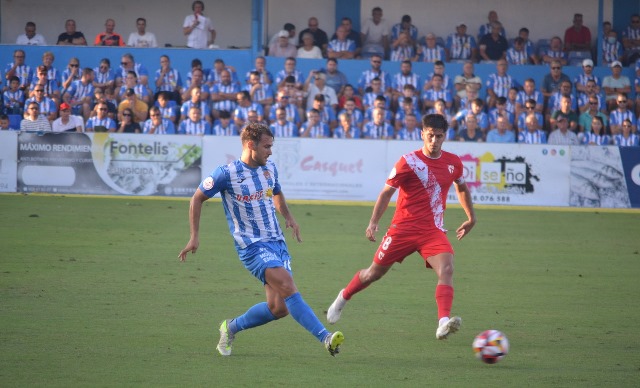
<point>378,210</point>
<point>464,197</point>
<point>281,207</point>
<point>195,208</point>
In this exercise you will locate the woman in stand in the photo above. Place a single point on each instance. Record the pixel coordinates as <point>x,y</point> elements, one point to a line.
<point>308,50</point>
<point>127,125</point>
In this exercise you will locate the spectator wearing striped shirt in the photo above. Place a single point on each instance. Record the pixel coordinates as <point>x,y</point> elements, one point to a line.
<point>402,49</point>
<point>375,71</point>
<point>612,49</point>
<point>281,127</point>
<point>631,39</point>
<point>101,122</point>
<point>555,52</point>
<point>499,83</point>
<point>518,54</point>
<point>223,94</point>
<point>313,127</point>
<point>430,51</point>
<point>627,138</point>
<point>533,133</point>
<point>79,94</point>
<point>194,124</point>
<point>197,101</point>
<point>168,79</point>
<point>407,27</point>
<point>341,47</point>
<point>224,126</point>
<point>33,121</point>
<point>460,46</point>
<point>158,125</point>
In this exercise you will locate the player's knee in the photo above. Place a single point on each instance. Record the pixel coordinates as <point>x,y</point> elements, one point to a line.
<point>278,310</point>
<point>446,270</point>
<point>368,276</point>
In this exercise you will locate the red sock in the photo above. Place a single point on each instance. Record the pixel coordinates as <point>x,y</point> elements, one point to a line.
<point>354,286</point>
<point>444,300</point>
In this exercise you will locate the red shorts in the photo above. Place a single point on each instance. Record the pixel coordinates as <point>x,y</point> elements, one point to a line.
<point>396,245</point>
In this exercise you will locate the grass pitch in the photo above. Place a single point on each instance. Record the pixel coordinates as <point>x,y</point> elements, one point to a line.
<point>92,294</point>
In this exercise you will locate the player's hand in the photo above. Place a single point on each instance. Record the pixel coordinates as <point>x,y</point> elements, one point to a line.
<point>371,231</point>
<point>192,246</point>
<point>291,223</point>
<point>464,229</point>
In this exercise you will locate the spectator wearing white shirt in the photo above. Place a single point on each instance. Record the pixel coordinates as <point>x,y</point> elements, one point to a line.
<point>30,37</point>
<point>142,38</point>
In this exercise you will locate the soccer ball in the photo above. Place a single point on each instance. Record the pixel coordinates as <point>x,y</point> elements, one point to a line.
<point>491,346</point>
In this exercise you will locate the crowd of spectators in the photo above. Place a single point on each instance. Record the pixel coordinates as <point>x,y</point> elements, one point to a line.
<point>325,103</point>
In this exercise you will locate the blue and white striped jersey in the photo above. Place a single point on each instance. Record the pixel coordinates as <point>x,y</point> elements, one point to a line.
<point>247,197</point>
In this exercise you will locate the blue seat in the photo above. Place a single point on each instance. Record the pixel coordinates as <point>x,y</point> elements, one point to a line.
<point>542,46</point>
<point>14,121</point>
<point>575,58</point>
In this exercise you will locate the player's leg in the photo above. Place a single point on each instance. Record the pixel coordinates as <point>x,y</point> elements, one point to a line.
<point>442,264</point>
<point>256,260</point>
<point>282,283</point>
<point>361,280</point>
<point>393,248</point>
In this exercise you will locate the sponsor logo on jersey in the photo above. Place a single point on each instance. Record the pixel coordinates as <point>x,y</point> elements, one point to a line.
<point>258,195</point>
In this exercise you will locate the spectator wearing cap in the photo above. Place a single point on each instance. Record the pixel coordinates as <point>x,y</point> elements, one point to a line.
<point>291,34</point>
<point>562,135</point>
<point>138,107</point>
<point>460,46</point>
<point>614,84</point>
<point>319,86</point>
<point>580,82</point>
<point>67,122</point>
<point>283,48</point>
<point>406,27</point>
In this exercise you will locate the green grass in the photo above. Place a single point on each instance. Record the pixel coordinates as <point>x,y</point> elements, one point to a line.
<point>92,294</point>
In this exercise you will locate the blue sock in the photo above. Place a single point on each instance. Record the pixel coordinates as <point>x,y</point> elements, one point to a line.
<point>256,315</point>
<point>302,313</point>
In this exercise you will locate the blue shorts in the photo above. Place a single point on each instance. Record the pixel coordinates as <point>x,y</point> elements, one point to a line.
<point>259,256</point>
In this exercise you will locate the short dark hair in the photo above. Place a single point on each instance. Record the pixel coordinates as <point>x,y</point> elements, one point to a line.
<point>289,27</point>
<point>434,121</point>
<point>224,114</point>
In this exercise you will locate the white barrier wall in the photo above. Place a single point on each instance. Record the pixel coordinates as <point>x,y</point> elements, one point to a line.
<point>337,169</point>
<point>8,161</point>
<point>325,169</point>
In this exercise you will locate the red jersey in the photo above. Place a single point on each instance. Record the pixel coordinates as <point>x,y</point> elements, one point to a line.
<point>424,184</point>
